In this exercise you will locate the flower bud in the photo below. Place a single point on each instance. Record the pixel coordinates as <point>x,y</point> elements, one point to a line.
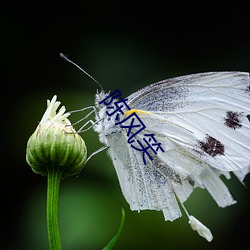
<point>55,144</point>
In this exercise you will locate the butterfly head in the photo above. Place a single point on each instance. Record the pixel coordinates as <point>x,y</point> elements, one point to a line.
<point>105,123</point>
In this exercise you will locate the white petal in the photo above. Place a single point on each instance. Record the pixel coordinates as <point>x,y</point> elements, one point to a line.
<point>200,228</point>
<point>50,110</point>
<point>51,114</point>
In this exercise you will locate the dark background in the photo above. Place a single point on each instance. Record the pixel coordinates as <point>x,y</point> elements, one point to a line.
<point>125,45</point>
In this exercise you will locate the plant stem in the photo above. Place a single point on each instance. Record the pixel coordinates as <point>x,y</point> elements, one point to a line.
<point>54,177</point>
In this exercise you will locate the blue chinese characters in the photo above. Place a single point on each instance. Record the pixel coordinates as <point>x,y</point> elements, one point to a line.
<point>116,107</point>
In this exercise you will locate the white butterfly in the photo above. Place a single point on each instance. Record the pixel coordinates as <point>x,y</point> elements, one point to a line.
<point>201,123</point>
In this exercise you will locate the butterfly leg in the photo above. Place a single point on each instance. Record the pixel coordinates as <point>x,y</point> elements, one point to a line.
<point>86,116</point>
<point>95,152</point>
<point>81,129</point>
<point>92,154</point>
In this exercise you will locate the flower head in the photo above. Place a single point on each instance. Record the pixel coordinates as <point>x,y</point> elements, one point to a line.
<point>55,143</point>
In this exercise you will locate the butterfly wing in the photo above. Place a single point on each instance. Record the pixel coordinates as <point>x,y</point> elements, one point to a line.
<point>142,186</point>
<point>200,121</point>
<point>212,106</point>
<point>174,172</point>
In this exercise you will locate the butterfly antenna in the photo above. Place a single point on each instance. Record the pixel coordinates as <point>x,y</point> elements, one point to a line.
<point>86,73</point>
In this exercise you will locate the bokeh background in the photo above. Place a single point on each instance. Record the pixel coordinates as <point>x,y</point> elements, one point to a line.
<point>125,45</point>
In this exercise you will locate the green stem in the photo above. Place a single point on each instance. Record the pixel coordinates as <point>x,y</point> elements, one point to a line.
<point>54,177</point>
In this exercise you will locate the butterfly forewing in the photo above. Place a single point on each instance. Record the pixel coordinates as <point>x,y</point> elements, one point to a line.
<point>213,107</point>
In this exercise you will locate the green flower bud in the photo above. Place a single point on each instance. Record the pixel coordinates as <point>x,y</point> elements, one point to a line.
<point>55,144</point>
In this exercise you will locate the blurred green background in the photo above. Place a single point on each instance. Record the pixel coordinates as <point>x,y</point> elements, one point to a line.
<point>125,46</point>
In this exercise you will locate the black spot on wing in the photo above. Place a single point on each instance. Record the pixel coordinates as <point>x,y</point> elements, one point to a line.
<point>233,119</point>
<point>212,146</point>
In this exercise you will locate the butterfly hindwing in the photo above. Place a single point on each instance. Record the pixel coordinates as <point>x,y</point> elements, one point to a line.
<point>143,186</point>
<point>174,172</point>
